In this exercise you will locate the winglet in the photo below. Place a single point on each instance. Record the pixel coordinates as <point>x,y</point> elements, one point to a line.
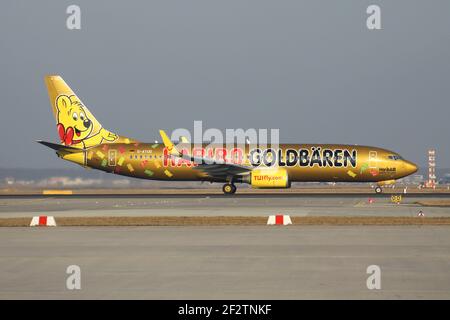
<point>168,143</point>
<point>183,139</point>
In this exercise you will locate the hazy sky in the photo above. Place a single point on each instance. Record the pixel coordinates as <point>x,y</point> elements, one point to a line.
<point>310,68</point>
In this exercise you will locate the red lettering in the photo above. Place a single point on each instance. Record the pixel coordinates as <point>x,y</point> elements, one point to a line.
<point>221,154</point>
<point>236,155</point>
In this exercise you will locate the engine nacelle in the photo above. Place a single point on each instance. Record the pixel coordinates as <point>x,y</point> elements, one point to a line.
<point>269,178</point>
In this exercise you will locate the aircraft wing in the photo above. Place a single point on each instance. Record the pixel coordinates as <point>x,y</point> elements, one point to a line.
<point>223,170</point>
<point>213,168</point>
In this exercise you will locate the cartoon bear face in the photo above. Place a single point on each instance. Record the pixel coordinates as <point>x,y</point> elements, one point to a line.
<point>73,124</point>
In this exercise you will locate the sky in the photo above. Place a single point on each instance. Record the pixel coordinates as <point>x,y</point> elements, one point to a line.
<point>310,68</point>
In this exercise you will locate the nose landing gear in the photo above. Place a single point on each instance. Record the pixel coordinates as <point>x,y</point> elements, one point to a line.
<point>229,188</point>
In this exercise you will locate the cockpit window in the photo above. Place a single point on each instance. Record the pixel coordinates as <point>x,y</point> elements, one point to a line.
<point>395,157</point>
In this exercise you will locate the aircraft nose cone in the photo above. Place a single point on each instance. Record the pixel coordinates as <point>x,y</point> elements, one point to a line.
<point>410,167</point>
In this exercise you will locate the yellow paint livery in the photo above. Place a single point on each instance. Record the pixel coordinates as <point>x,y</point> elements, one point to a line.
<point>83,140</point>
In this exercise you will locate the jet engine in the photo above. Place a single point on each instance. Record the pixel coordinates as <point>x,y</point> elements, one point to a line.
<point>269,178</point>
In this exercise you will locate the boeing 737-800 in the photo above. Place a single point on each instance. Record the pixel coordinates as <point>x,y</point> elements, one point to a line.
<point>83,140</point>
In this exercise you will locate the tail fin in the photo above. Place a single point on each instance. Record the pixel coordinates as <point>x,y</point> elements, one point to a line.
<point>76,125</point>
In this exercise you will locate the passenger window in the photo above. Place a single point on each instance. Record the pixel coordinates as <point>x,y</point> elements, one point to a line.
<point>394,157</point>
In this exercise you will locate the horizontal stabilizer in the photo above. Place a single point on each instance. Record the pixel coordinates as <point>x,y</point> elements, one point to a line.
<point>59,147</point>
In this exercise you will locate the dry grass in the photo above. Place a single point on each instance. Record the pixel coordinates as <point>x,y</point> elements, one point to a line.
<point>434,203</point>
<point>229,221</point>
<point>15,222</point>
<point>370,220</point>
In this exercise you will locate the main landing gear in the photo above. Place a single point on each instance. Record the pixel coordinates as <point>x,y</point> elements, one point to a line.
<point>229,188</point>
<point>378,190</point>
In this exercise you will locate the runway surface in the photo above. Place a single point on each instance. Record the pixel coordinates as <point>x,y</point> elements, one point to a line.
<point>184,194</point>
<point>207,205</point>
<point>225,262</point>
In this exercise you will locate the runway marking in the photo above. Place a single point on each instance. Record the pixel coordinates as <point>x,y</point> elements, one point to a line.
<point>57,192</point>
<point>364,204</point>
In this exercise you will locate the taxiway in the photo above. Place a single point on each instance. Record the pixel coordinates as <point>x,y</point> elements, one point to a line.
<point>225,262</point>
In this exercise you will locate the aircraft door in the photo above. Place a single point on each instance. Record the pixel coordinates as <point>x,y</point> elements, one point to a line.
<point>112,155</point>
<point>373,159</point>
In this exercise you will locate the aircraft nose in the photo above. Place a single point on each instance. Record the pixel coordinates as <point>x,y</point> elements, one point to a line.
<point>410,167</point>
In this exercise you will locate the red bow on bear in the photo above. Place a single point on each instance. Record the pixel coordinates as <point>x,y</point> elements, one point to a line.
<point>66,136</point>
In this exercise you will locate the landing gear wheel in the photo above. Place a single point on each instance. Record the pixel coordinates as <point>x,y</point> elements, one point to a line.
<point>229,188</point>
<point>378,190</point>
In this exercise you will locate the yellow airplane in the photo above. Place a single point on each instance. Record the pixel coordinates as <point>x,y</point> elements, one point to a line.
<point>83,140</point>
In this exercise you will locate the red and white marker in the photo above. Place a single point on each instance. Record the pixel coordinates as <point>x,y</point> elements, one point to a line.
<point>279,219</point>
<point>47,221</point>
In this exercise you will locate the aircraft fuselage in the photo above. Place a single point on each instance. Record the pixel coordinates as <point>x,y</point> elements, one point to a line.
<point>302,162</point>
